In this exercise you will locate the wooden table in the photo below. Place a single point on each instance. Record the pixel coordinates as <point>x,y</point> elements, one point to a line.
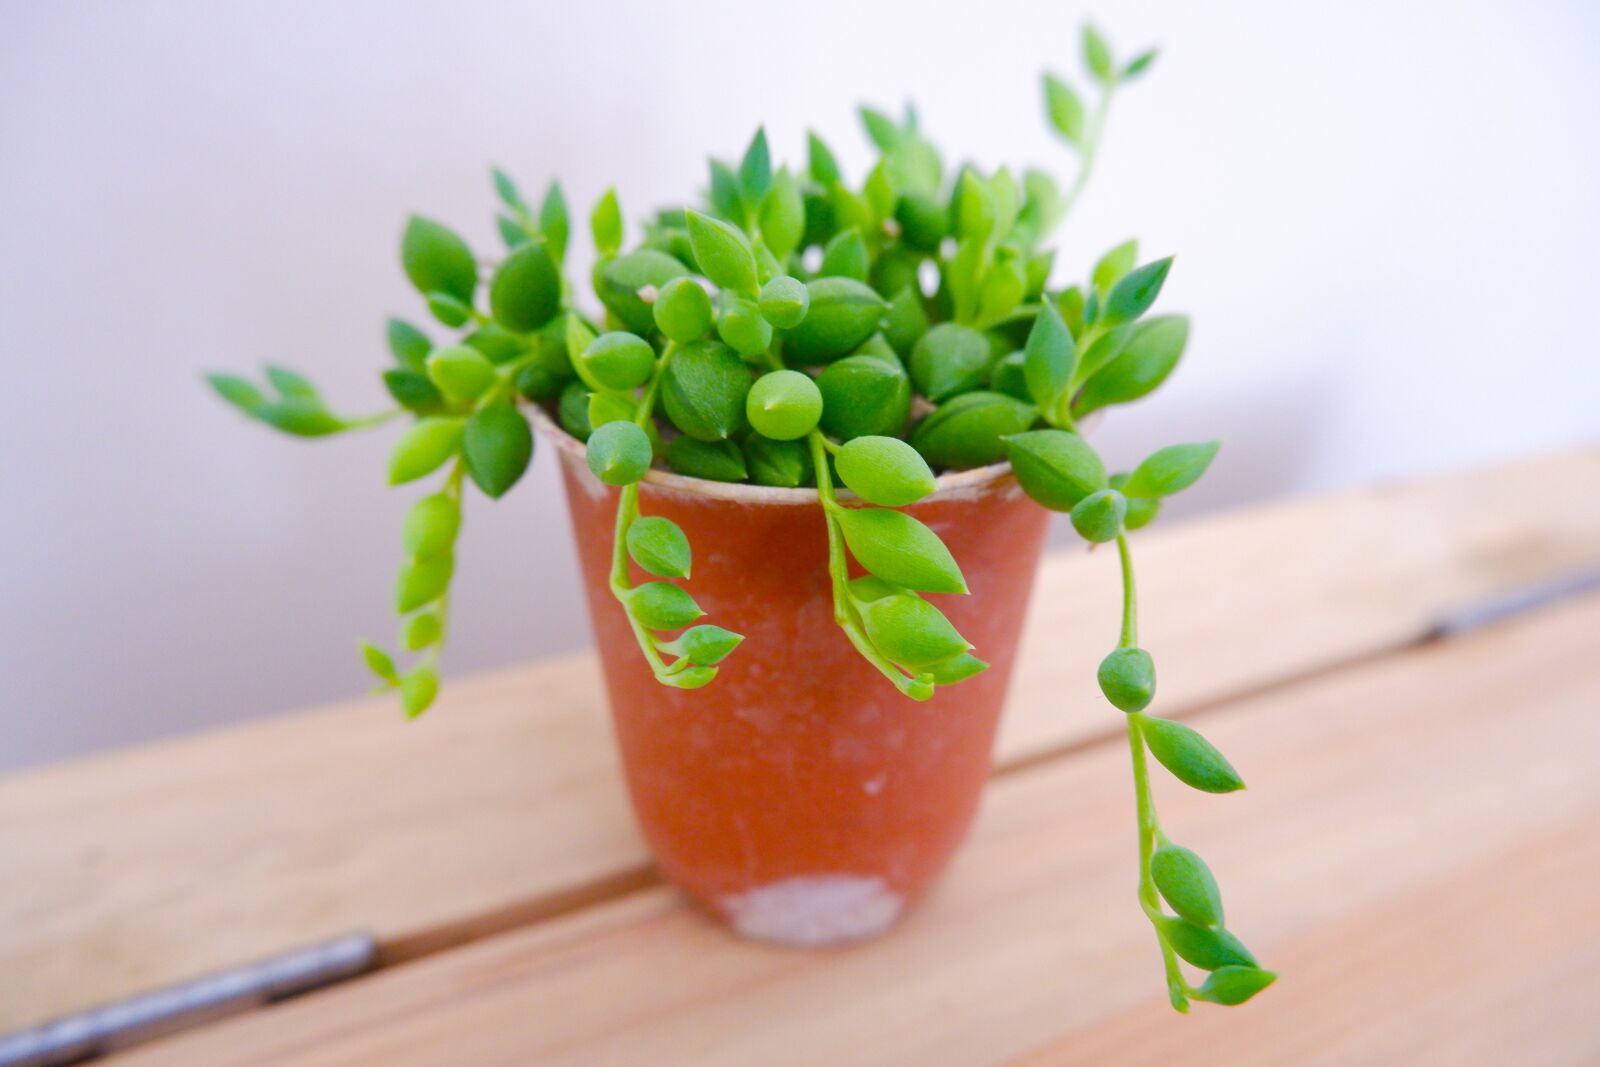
<point>1418,852</point>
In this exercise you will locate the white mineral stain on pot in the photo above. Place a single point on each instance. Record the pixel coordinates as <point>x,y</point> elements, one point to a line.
<point>874,785</point>
<point>814,910</point>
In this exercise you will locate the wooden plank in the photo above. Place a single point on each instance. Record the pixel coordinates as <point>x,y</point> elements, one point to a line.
<point>127,871</point>
<point>1417,854</point>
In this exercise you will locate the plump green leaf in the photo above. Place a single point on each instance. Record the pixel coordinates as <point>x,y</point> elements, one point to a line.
<point>418,689</point>
<point>236,391</point>
<point>424,448</point>
<point>689,678</point>
<point>703,391</point>
<point>413,390</point>
<point>300,416</point>
<point>715,461</point>
<point>785,301</point>
<point>783,215</point>
<point>507,190</point>
<point>526,290</point>
<point>1098,516</point>
<point>708,645</point>
<point>617,360</point>
<point>436,259</point>
<point>447,309</point>
<point>844,313</point>
<point>662,606</point>
<point>1057,468</point>
<point>910,631</point>
<point>290,384</point>
<point>784,464</point>
<point>1009,376</point>
<point>554,222</point>
<point>900,549</point>
<point>431,526</point>
<point>742,327</point>
<point>884,471</point>
<point>573,410</point>
<point>845,256</point>
<point>497,446</point>
<point>420,631</point>
<point>950,359</point>
<point>1234,984</point>
<point>659,546</point>
<point>1049,357</point>
<point>820,162</point>
<point>379,663</point>
<point>605,224</point>
<point>619,452</point>
<point>724,254</point>
<point>881,129</point>
<point>970,430</point>
<point>957,669</point>
<point>621,281</point>
<point>1153,349</point>
<point>1114,266</point>
<point>906,320</point>
<point>1065,109</point>
<point>1138,64</point>
<point>1192,759</point>
<point>755,169</point>
<point>1097,55</point>
<point>461,372</point>
<point>1203,946</point>
<point>1133,295</point>
<point>1187,884</point>
<point>422,581</point>
<point>1128,679</point>
<point>683,310</point>
<point>409,345</point>
<point>922,221</point>
<point>1171,469</point>
<point>609,407</point>
<point>783,405</point>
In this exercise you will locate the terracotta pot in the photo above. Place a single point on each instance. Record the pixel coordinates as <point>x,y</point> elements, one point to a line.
<point>800,797</point>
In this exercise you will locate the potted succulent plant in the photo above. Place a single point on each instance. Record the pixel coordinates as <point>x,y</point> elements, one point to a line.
<point>851,401</point>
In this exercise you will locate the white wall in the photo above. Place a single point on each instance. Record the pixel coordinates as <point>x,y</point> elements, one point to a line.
<point>1385,215</point>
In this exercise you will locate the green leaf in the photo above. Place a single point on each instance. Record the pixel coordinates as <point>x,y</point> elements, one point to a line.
<point>1097,55</point>
<point>380,663</point>
<point>864,396</point>
<point>554,222</point>
<point>957,669</point>
<point>785,301</point>
<point>1098,516</point>
<point>742,327</point>
<point>448,310</point>
<point>844,313</point>
<point>707,645</point>
<point>821,165</point>
<point>900,549</point>
<point>1065,109</point>
<point>922,221</point>
<point>1138,65</point>
<point>409,344</point>
<point>724,254</point>
<point>662,606</point>
<point>971,430</point>
<point>1152,351</point>
<point>236,391</point>
<point>605,224</point>
<point>572,409</point>
<point>425,447</point>
<point>1192,759</point>
<point>880,128</point>
<point>497,446</point>
<point>1128,679</point>
<point>1171,470</point>
<point>782,217</point>
<point>727,198</point>
<point>910,631</point>
<point>715,461</point>
<point>301,416</point>
<point>609,407</point>
<point>975,208</point>
<point>755,169</point>
<point>660,547</point>
<point>619,453</point>
<point>1187,884</point>
<point>1114,266</point>
<point>1203,946</point>
<point>1234,984</point>
<point>422,581</point>
<point>783,405</point>
<point>420,631</point>
<point>1048,358</point>
<point>683,311</point>
<point>418,689</point>
<point>1055,467</point>
<point>617,360</point>
<point>291,385</point>
<point>526,290</point>
<point>950,359</point>
<point>884,471</point>
<point>512,232</point>
<point>461,372</point>
<point>622,279</point>
<point>1133,295</point>
<point>507,190</point>
<point>436,259</point>
<point>783,464</point>
<point>431,526</point>
<point>906,320</point>
<point>1009,376</point>
<point>703,390</point>
<point>845,256</point>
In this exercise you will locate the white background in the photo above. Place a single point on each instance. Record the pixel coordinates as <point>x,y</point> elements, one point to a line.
<point>1385,216</point>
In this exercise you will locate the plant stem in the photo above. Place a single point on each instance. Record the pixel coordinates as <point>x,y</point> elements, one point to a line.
<point>1130,605</point>
<point>1087,153</point>
<point>844,610</point>
<point>627,511</point>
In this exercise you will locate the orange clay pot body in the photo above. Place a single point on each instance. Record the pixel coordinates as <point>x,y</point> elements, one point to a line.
<point>800,797</point>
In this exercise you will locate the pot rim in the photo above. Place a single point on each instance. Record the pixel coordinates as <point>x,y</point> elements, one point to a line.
<point>950,485</point>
